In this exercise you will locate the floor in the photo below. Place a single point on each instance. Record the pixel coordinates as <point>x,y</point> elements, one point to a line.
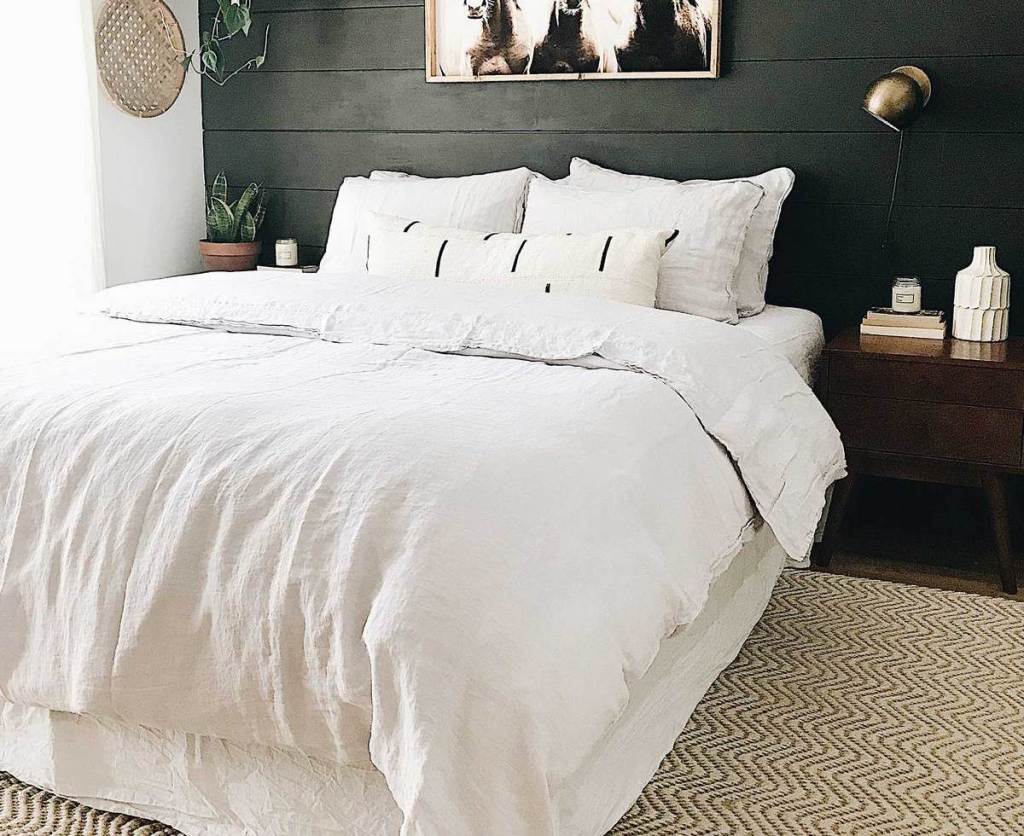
<point>927,535</point>
<point>860,565</point>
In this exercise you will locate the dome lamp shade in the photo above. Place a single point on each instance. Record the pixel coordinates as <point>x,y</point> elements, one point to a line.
<point>897,98</point>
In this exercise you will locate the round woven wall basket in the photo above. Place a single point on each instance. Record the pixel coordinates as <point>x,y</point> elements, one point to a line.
<point>139,52</point>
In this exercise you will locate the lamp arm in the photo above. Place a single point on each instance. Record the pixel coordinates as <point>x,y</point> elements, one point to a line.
<point>888,242</point>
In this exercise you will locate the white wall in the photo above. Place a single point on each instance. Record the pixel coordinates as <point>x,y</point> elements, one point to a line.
<point>151,176</point>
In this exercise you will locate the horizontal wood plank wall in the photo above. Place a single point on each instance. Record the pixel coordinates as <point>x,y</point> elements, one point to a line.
<point>343,92</point>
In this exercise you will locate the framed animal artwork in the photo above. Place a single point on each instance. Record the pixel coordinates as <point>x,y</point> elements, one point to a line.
<point>526,40</point>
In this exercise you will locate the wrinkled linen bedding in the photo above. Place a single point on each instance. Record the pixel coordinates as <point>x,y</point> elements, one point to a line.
<point>336,533</point>
<point>208,787</point>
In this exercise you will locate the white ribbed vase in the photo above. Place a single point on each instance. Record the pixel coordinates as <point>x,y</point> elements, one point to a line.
<point>981,304</point>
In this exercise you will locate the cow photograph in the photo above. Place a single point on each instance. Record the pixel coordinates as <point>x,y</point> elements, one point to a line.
<point>507,40</point>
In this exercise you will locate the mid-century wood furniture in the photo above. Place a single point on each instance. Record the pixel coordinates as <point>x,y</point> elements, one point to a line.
<point>948,411</point>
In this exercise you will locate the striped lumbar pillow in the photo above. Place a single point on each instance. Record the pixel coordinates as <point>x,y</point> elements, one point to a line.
<point>618,265</point>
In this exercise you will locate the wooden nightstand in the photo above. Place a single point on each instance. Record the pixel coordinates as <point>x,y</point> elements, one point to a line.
<point>950,412</point>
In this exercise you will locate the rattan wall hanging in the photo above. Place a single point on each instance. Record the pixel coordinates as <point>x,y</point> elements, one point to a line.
<point>139,52</point>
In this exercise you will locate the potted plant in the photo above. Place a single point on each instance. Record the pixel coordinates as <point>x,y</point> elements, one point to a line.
<point>231,228</point>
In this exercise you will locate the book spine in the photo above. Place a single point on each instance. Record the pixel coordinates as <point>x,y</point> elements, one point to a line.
<point>917,333</point>
<point>881,323</point>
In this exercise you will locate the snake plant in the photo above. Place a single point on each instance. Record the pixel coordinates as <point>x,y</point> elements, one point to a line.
<point>238,222</point>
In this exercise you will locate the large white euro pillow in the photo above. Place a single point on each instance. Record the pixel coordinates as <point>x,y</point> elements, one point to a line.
<point>486,202</point>
<point>618,265</point>
<point>387,174</point>
<point>752,276</point>
<point>710,222</point>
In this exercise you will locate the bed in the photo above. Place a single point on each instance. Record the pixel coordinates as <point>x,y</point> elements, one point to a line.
<point>340,586</point>
<point>795,333</point>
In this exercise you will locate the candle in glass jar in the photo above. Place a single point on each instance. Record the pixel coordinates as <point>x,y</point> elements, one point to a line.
<point>906,295</point>
<point>287,252</point>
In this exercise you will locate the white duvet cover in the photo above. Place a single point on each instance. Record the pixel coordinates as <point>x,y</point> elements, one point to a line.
<point>324,534</point>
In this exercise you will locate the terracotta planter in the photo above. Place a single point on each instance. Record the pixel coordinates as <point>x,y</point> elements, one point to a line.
<point>230,257</point>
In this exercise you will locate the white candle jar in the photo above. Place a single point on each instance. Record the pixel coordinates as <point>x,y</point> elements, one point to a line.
<point>287,252</point>
<point>906,295</point>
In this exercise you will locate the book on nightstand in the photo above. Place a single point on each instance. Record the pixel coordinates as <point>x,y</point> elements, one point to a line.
<point>305,268</point>
<point>885,322</point>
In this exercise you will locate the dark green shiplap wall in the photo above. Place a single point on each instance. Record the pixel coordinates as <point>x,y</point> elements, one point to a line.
<point>343,92</point>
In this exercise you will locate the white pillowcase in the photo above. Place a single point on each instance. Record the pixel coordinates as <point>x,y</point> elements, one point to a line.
<point>487,202</point>
<point>387,174</point>
<point>699,267</point>
<point>617,265</point>
<point>384,174</point>
<point>752,276</point>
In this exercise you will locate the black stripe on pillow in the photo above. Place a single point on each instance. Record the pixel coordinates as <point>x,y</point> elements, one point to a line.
<point>604,254</point>
<point>490,235</point>
<point>672,237</point>
<point>437,267</point>
<point>547,287</point>
<point>519,252</point>
<point>367,253</point>
<point>410,226</point>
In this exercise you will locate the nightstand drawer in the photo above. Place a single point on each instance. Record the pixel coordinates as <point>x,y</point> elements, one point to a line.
<point>937,383</point>
<point>941,431</point>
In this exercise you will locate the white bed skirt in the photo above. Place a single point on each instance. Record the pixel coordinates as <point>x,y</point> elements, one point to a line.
<point>207,787</point>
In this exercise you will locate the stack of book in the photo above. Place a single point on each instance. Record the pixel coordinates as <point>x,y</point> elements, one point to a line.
<point>885,322</point>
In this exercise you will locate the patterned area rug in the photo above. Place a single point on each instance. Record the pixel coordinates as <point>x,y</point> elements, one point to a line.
<point>27,811</point>
<point>860,707</point>
<point>856,707</point>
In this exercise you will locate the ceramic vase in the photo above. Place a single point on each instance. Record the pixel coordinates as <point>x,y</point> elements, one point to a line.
<point>981,304</point>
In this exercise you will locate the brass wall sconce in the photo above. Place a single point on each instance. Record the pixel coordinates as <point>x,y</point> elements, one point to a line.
<point>897,100</point>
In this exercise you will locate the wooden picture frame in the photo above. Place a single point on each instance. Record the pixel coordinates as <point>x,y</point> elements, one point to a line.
<point>497,57</point>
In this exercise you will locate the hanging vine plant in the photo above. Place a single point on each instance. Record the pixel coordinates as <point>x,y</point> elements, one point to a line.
<point>233,19</point>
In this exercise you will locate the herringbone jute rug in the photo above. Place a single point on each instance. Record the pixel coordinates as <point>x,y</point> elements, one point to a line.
<point>856,707</point>
<point>27,811</point>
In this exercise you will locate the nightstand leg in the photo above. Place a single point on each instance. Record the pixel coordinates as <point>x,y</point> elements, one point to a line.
<point>995,490</point>
<point>841,492</point>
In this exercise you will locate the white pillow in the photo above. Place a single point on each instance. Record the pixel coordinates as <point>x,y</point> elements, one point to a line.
<point>484,201</point>
<point>617,265</point>
<point>384,174</point>
<point>699,266</point>
<point>752,278</point>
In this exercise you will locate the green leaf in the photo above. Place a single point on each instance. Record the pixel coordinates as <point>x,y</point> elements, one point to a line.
<point>220,223</point>
<point>244,204</point>
<point>211,61</point>
<point>219,189</point>
<point>247,229</point>
<point>260,211</point>
<point>235,19</point>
